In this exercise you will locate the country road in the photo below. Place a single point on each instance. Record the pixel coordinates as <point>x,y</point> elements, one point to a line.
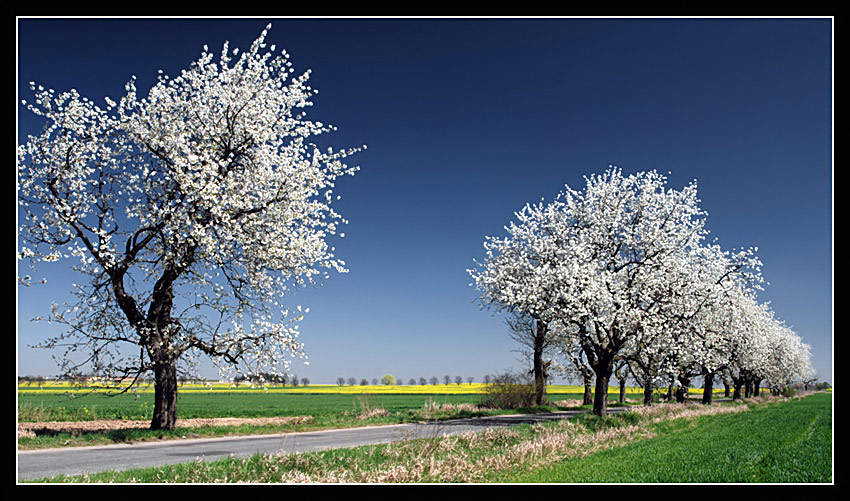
<point>78,460</point>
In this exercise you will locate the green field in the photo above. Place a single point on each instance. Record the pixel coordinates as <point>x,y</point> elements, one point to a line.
<point>790,442</point>
<point>64,407</point>
<point>212,405</point>
<point>325,411</point>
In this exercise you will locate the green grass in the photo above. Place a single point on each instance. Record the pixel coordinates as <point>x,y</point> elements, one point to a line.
<point>82,407</point>
<point>212,405</point>
<point>788,442</point>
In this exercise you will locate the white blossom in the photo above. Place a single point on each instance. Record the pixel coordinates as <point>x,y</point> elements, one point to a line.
<point>193,210</point>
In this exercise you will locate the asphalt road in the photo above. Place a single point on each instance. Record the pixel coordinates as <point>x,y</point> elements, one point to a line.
<point>79,460</point>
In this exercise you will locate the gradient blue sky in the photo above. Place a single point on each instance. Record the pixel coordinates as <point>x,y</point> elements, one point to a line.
<point>466,121</point>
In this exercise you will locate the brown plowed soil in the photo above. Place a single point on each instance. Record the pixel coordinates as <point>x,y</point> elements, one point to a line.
<point>33,428</point>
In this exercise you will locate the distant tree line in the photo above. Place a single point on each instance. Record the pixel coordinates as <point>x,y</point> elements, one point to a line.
<point>265,377</point>
<point>392,380</point>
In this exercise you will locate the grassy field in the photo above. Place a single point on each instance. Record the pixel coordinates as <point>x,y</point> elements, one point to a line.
<point>63,402</point>
<point>761,440</point>
<point>222,404</point>
<point>81,407</point>
<point>790,442</point>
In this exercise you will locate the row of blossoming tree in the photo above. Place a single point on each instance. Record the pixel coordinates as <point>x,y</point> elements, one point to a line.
<point>620,279</point>
<point>191,213</point>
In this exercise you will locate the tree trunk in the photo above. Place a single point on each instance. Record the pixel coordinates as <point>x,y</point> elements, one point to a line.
<point>670,391</point>
<point>726,388</point>
<point>756,387</point>
<point>682,390</point>
<point>647,394</point>
<point>539,370</point>
<point>600,395</point>
<point>736,393</point>
<point>588,390</point>
<point>622,390</point>
<point>164,366</point>
<point>707,388</point>
<point>681,394</point>
<point>165,396</point>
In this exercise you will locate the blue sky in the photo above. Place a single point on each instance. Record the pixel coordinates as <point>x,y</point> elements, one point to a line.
<point>466,121</point>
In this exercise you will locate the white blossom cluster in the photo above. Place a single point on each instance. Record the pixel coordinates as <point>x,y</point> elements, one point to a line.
<point>193,210</point>
<point>622,272</point>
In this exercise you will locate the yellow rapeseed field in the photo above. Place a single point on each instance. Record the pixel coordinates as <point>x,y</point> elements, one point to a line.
<point>227,387</point>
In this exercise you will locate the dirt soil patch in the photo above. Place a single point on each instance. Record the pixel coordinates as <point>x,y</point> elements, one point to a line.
<point>31,429</point>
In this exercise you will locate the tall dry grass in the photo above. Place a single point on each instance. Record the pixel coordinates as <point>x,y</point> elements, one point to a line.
<point>471,457</point>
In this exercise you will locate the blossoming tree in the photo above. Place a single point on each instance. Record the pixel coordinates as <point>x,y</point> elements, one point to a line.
<point>596,259</point>
<point>192,213</point>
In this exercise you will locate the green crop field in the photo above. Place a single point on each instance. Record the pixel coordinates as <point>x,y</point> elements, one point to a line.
<point>324,409</point>
<point>86,406</point>
<point>212,405</point>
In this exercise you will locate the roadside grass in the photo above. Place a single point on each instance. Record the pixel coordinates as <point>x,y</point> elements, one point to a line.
<point>762,440</point>
<point>326,411</point>
<point>790,442</point>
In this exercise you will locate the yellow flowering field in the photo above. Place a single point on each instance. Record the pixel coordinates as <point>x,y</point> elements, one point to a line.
<point>52,387</point>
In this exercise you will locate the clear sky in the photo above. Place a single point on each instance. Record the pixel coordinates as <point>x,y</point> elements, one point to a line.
<point>466,121</point>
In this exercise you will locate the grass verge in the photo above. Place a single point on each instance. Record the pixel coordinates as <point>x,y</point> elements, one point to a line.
<point>789,442</point>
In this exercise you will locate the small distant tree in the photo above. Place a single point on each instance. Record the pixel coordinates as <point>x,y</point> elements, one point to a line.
<point>433,380</point>
<point>423,381</point>
<point>399,381</point>
<point>364,382</point>
<point>509,391</point>
<point>620,371</point>
<point>412,381</point>
<point>470,379</point>
<point>458,380</point>
<point>305,381</point>
<point>294,380</point>
<point>340,381</point>
<point>352,381</point>
<point>810,380</point>
<point>387,380</point>
<point>447,379</point>
<point>487,378</point>
<point>536,339</point>
<point>272,378</point>
<point>374,381</point>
